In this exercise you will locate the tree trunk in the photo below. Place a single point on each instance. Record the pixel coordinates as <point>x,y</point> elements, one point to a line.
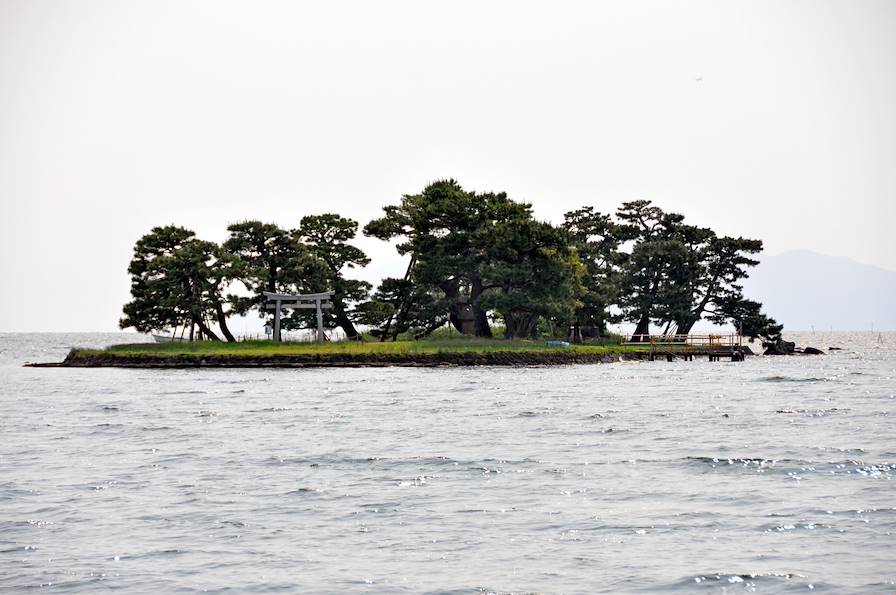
<point>399,318</point>
<point>684,326</point>
<point>481,317</point>
<point>344,322</point>
<point>643,328</point>
<point>402,304</point>
<point>466,315</point>
<point>272,278</point>
<point>463,318</point>
<point>520,325</point>
<point>460,313</point>
<point>205,330</point>
<point>532,326</point>
<point>222,322</point>
<point>509,326</point>
<point>483,329</point>
<point>428,330</point>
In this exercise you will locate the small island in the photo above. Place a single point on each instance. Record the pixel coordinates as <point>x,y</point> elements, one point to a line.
<point>428,352</point>
<point>486,283</point>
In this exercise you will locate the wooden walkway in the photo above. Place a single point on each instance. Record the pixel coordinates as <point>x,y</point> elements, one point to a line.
<point>687,347</point>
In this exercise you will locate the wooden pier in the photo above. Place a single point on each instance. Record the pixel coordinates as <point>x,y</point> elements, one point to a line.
<point>687,347</point>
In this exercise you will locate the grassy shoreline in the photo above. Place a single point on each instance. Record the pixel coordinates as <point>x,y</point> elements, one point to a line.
<point>435,352</point>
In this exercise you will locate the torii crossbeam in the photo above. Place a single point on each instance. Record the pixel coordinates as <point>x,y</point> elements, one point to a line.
<point>318,301</point>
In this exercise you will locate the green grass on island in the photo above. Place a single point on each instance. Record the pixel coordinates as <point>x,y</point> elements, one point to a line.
<point>370,346</point>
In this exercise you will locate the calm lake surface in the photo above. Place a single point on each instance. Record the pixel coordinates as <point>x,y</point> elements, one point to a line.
<point>772,475</point>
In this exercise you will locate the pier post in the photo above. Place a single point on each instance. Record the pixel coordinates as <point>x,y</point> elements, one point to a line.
<point>320,322</point>
<point>277,321</point>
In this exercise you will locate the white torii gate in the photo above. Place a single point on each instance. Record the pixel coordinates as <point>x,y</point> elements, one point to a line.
<point>318,301</point>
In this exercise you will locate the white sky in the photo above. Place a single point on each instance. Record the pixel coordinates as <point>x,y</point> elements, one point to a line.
<point>118,116</point>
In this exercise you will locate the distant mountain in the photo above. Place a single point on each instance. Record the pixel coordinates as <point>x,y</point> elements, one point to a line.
<point>804,289</point>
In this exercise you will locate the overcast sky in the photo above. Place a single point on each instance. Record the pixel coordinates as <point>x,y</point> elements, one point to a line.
<point>773,120</point>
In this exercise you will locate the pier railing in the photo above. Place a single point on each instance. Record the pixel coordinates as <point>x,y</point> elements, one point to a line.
<point>706,341</point>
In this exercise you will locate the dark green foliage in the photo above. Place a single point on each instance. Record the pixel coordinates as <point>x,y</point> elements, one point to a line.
<point>597,240</point>
<point>652,279</point>
<point>533,274</point>
<point>309,259</point>
<point>678,274</point>
<point>480,250</point>
<point>444,229</point>
<point>268,258</point>
<point>749,321</point>
<point>720,264</point>
<point>327,237</point>
<point>473,258</point>
<point>177,280</point>
<point>399,307</point>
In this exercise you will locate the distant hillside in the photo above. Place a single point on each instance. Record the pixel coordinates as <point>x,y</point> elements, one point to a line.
<point>803,289</point>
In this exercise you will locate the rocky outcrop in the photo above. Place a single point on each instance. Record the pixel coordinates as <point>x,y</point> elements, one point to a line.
<point>779,347</point>
<point>782,347</point>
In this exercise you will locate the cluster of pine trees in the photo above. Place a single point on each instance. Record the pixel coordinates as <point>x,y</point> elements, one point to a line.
<point>474,260</point>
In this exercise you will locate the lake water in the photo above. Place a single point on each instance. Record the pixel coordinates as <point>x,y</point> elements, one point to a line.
<point>771,475</point>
